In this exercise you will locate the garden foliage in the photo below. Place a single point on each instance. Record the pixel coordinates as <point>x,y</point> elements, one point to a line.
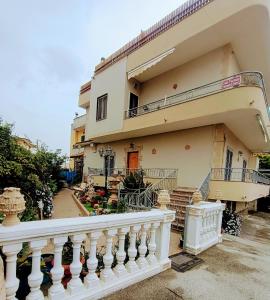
<point>37,174</point>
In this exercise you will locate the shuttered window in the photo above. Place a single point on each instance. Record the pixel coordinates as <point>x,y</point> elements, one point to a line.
<point>102,107</point>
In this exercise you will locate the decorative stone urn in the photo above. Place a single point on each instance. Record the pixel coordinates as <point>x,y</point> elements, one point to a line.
<point>163,199</point>
<point>113,190</point>
<point>196,198</point>
<point>11,204</point>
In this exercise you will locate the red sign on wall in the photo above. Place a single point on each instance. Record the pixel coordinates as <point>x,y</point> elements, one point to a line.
<point>231,82</point>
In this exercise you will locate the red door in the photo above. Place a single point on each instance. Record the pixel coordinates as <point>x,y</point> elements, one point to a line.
<point>133,161</point>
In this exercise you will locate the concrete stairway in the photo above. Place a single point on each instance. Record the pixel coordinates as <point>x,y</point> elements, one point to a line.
<point>180,198</point>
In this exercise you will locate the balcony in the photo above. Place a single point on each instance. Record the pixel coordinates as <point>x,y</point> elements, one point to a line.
<point>84,97</point>
<point>238,101</point>
<point>237,184</point>
<point>79,122</point>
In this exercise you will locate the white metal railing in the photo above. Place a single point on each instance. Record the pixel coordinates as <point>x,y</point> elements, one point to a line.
<point>92,230</point>
<point>245,79</point>
<point>203,226</point>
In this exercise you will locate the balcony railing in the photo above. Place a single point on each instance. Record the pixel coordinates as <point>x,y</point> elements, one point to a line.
<point>245,79</point>
<point>151,230</point>
<point>147,172</point>
<point>239,175</point>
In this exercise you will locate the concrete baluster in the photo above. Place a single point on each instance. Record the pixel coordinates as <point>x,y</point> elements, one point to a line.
<point>57,291</point>
<point>107,275</point>
<point>132,250</point>
<point>11,282</point>
<point>142,262</point>
<point>120,270</point>
<point>151,257</point>
<point>75,285</point>
<point>92,280</point>
<point>36,276</point>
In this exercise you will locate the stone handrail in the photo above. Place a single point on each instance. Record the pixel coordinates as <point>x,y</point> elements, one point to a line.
<point>155,223</point>
<point>203,226</point>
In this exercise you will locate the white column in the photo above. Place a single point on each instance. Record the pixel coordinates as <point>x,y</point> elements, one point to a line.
<point>120,270</point>
<point>151,257</point>
<point>219,222</point>
<point>11,282</point>
<point>36,276</point>
<point>75,285</point>
<point>91,280</point>
<point>142,262</point>
<point>107,274</point>
<point>163,237</point>
<point>57,291</point>
<point>196,227</point>
<point>132,250</point>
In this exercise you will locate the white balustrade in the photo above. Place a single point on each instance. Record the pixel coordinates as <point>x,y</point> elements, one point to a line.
<point>92,280</point>
<point>36,276</point>
<point>92,230</point>
<point>107,273</point>
<point>75,284</point>
<point>132,250</point>
<point>120,270</point>
<point>12,282</point>
<point>151,258</point>
<point>142,262</point>
<point>203,226</point>
<point>57,290</point>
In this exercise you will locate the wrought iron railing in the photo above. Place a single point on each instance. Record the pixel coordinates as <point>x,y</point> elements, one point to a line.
<point>238,174</point>
<point>147,172</point>
<point>205,187</point>
<point>245,79</point>
<point>147,198</point>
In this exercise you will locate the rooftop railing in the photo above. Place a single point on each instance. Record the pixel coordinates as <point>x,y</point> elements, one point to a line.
<point>238,175</point>
<point>245,79</point>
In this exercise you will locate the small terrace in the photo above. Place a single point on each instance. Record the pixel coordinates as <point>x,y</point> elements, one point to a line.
<point>238,184</point>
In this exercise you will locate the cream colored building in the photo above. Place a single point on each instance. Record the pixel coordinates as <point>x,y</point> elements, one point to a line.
<point>189,93</point>
<point>25,143</point>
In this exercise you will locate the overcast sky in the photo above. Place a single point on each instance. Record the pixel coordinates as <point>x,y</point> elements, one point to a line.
<point>48,48</point>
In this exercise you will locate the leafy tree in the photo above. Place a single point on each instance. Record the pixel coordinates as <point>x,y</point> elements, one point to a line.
<point>32,172</point>
<point>264,162</point>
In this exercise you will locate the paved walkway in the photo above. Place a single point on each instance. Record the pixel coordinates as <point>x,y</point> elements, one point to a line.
<point>64,205</point>
<point>238,269</point>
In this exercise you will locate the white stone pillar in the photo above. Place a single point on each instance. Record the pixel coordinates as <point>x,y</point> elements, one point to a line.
<point>163,237</point>
<point>12,282</point>
<point>219,222</point>
<point>91,280</point>
<point>107,275</point>
<point>57,291</point>
<point>75,285</point>
<point>120,270</point>
<point>36,276</point>
<point>141,261</point>
<point>195,226</point>
<point>151,257</point>
<point>132,250</point>
<point>2,280</point>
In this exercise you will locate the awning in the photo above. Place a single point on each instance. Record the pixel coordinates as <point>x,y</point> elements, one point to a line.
<point>142,68</point>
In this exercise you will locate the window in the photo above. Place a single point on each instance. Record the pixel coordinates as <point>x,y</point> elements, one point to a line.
<point>82,138</point>
<point>102,107</point>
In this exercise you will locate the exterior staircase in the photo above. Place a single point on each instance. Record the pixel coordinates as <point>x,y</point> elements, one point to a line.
<point>179,199</point>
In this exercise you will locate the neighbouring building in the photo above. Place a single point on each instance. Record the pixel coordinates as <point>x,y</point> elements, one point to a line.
<point>25,143</point>
<point>186,99</point>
